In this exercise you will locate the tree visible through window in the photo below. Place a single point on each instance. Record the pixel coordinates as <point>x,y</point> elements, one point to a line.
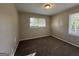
<point>74,24</point>
<point>37,22</point>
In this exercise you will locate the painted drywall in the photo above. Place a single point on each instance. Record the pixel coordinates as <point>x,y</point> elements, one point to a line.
<point>26,32</point>
<point>8,29</point>
<point>60,24</point>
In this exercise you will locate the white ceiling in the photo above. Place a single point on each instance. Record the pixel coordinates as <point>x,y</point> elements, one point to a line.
<point>37,8</point>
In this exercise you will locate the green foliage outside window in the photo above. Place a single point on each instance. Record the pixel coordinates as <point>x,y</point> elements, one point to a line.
<point>75,24</point>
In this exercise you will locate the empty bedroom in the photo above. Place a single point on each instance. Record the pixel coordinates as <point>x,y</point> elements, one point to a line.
<point>39,29</point>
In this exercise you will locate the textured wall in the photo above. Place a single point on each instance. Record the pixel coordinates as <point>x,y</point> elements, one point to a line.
<point>8,29</point>
<point>60,23</point>
<point>28,33</point>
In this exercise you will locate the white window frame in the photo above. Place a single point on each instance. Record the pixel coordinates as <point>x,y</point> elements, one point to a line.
<point>42,24</point>
<point>76,31</point>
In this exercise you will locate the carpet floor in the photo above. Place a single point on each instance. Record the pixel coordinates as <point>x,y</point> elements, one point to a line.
<point>46,46</point>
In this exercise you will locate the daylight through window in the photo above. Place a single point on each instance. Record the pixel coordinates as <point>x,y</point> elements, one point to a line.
<point>74,24</point>
<point>37,22</point>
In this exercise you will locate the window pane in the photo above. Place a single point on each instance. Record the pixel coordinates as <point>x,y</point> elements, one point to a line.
<point>37,22</point>
<point>74,24</point>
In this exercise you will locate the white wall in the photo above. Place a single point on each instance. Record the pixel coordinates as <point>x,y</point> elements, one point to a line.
<point>8,29</point>
<point>60,26</point>
<point>28,33</point>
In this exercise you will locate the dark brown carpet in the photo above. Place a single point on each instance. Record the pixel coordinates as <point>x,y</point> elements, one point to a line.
<point>46,46</point>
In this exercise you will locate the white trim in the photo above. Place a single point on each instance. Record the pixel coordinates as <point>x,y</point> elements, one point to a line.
<point>43,36</point>
<point>33,37</point>
<point>13,53</point>
<point>66,41</point>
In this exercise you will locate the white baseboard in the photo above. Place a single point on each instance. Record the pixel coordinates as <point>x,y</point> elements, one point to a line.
<point>13,53</point>
<point>33,37</point>
<point>25,39</point>
<point>66,41</point>
<point>44,36</point>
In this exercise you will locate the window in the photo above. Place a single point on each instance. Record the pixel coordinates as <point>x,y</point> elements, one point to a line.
<point>37,22</point>
<point>74,24</point>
